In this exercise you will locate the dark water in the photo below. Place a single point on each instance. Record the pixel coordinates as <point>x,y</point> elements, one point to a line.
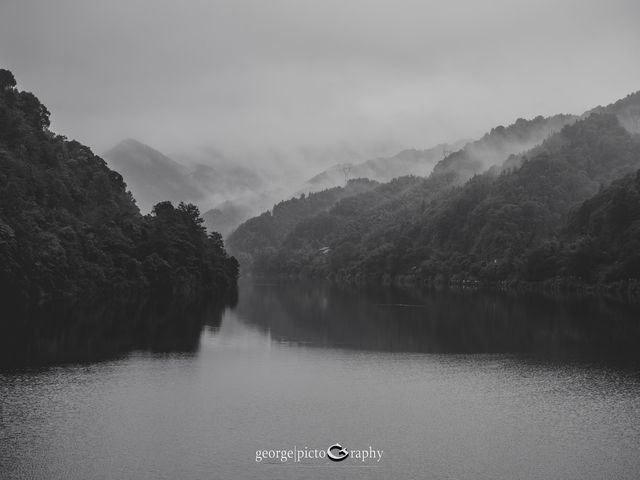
<point>448,385</point>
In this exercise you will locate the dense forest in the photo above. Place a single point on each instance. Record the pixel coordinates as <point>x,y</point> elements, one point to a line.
<point>257,241</point>
<point>71,233</point>
<point>261,236</point>
<point>567,208</point>
<point>500,143</point>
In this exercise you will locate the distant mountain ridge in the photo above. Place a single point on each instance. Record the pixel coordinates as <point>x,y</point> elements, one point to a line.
<point>485,213</point>
<point>500,143</point>
<point>627,110</point>
<point>383,169</point>
<point>466,157</point>
<point>152,176</point>
<point>225,217</point>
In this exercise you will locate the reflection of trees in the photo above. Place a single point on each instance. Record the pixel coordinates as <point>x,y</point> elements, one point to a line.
<point>71,233</point>
<point>63,332</point>
<point>439,322</point>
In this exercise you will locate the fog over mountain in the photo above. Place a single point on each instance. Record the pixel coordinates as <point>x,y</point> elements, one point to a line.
<point>236,105</point>
<point>230,191</point>
<point>566,208</point>
<point>234,233</point>
<point>226,190</point>
<point>152,176</point>
<point>383,169</point>
<point>292,81</point>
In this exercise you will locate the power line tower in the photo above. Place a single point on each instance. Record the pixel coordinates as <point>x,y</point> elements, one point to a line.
<point>445,152</point>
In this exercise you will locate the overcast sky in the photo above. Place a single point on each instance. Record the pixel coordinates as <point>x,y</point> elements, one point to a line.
<point>374,75</point>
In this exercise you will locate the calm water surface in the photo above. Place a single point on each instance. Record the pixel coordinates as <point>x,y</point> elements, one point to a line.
<point>450,386</point>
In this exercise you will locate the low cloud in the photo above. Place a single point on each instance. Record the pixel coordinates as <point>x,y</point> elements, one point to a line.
<point>255,79</point>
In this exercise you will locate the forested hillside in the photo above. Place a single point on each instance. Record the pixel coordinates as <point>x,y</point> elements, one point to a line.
<point>258,240</point>
<point>71,232</point>
<point>605,233</point>
<point>260,237</point>
<point>510,222</point>
<point>500,143</point>
<point>384,169</point>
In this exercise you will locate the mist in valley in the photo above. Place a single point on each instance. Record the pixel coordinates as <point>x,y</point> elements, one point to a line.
<point>235,106</point>
<point>255,102</point>
<point>228,226</point>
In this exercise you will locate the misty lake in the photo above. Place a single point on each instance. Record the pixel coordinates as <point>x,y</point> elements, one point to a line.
<point>449,385</point>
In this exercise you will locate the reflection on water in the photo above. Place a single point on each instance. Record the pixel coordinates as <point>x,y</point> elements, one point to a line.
<point>62,332</point>
<point>441,322</point>
<point>456,385</point>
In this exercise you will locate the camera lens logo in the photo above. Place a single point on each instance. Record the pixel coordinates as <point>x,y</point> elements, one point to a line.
<point>336,453</point>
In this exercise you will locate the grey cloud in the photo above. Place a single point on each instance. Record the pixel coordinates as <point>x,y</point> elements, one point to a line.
<point>371,76</point>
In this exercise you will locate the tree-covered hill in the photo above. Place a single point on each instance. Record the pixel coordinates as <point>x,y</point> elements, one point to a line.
<point>496,146</point>
<point>485,229</point>
<point>257,241</point>
<point>260,236</point>
<point>492,228</point>
<point>71,232</point>
<point>384,169</point>
<point>627,110</point>
<point>605,233</point>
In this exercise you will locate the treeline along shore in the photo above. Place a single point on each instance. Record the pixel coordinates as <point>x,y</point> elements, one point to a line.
<point>77,259</point>
<point>563,215</point>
